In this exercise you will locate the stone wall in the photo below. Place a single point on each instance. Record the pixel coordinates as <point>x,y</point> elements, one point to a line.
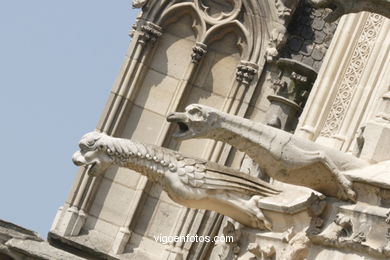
<point>224,54</point>
<point>181,53</point>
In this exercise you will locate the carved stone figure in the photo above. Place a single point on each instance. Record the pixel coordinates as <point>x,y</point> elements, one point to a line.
<point>283,156</point>
<point>230,249</point>
<point>339,230</point>
<point>297,249</point>
<point>191,182</point>
<point>341,7</point>
<point>139,3</point>
<point>266,253</point>
<point>278,39</point>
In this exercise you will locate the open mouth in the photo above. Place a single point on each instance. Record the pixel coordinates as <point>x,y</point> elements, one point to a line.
<point>91,169</point>
<point>182,131</point>
<point>179,119</point>
<point>183,127</point>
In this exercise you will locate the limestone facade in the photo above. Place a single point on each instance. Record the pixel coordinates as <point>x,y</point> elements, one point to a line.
<point>225,54</point>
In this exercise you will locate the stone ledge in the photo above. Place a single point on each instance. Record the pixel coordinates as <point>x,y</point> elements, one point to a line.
<point>293,199</point>
<point>377,175</point>
<point>74,245</point>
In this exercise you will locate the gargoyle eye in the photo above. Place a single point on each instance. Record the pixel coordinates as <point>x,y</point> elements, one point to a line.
<point>194,111</point>
<point>91,142</point>
<point>83,147</point>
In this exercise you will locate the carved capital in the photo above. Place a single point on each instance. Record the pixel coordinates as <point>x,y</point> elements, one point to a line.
<point>149,32</point>
<point>198,51</point>
<point>246,72</point>
<point>295,82</point>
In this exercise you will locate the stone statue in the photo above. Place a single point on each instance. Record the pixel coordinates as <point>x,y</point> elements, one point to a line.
<point>191,182</point>
<point>341,7</point>
<point>283,156</point>
<point>139,3</point>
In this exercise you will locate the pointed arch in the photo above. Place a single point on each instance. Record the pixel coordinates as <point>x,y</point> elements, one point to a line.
<point>217,32</point>
<point>175,12</point>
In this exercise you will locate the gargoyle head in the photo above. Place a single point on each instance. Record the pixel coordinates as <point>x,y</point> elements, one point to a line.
<point>139,3</point>
<point>93,153</point>
<point>339,8</point>
<point>196,121</point>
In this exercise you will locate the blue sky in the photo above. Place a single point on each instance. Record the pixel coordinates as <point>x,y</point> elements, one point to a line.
<point>58,61</point>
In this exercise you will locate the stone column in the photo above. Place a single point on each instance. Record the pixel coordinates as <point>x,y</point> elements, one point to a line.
<point>343,97</point>
<point>292,88</point>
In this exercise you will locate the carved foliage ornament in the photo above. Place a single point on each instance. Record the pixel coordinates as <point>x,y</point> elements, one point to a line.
<point>198,51</point>
<point>246,72</point>
<point>149,32</point>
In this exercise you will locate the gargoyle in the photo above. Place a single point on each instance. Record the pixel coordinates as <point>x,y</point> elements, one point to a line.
<point>139,3</point>
<point>191,182</point>
<point>281,155</point>
<point>341,7</point>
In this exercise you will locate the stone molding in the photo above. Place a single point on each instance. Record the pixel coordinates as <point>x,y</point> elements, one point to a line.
<point>352,74</point>
<point>345,95</point>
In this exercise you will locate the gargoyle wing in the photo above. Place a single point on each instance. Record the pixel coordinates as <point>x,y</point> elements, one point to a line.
<point>199,173</point>
<point>217,175</point>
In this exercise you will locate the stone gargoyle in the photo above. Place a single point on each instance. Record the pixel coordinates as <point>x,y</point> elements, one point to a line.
<point>283,156</point>
<point>191,182</point>
<point>139,3</point>
<point>341,7</point>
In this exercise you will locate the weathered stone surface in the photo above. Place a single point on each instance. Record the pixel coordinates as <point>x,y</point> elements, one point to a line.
<point>283,156</point>
<point>39,250</point>
<point>376,137</point>
<point>192,182</point>
<point>9,230</point>
<point>213,52</point>
<point>19,243</point>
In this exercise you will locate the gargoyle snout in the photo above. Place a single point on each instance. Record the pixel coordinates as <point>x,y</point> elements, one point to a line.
<point>78,159</point>
<point>175,117</point>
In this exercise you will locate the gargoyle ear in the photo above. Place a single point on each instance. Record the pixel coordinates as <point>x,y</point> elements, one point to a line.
<point>193,109</point>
